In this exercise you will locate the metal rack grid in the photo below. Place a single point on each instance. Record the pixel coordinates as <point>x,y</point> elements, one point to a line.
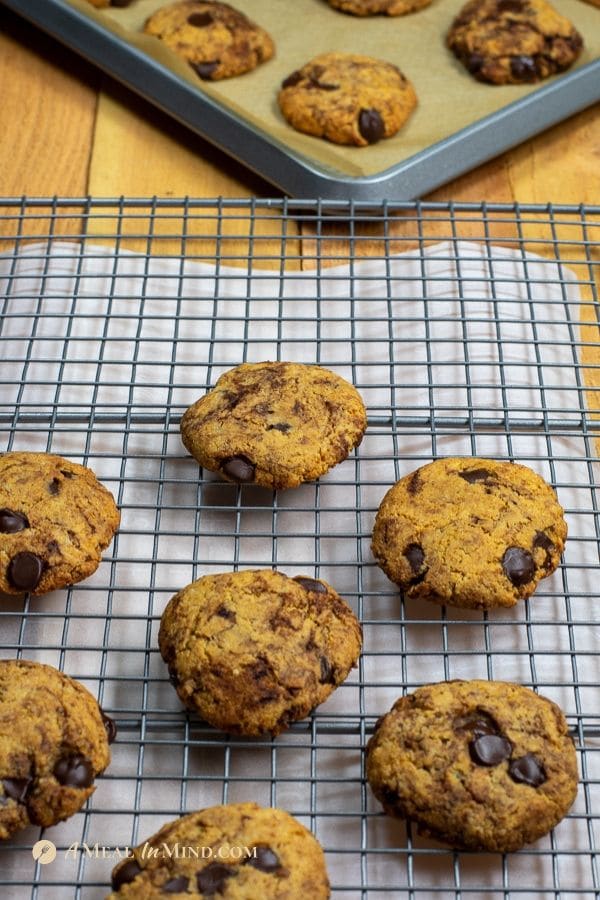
<point>469,330</point>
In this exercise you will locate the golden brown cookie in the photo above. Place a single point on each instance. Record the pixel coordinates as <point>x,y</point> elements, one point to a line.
<point>240,851</point>
<point>217,40</point>
<point>469,532</point>
<point>378,7</point>
<point>513,41</point>
<point>480,765</point>
<point>347,98</point>
<point>276,424</point>
<point>254,651</point>
<point>53,743</point>
<point>55,521</point>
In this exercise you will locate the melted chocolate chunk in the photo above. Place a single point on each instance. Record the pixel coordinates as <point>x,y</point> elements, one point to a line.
<point>415,556</point>
<point>25,571</point>
<point>125,874</point>
<point>475,63</point>
<point>225,613</point>
<point>477,723</point>
<point>524,68</point>
<point>109,726</point>
<point>11,522</point>
<point>17,788</point>
<point>177,885</point>
<point>370,125</point>
<point>518,565</point>
<point>54,486</point>
<point>510,6</point>
<point>322,85</point>
<point>527,770</point>
<point>200,19</point>
<point>327,671</point>
<point>264,859</point>
<point>74,771</point>
<point>310,584</point>
<point>490,749</point>
<point>283,427</point>
<point>211,880</point>
<point>472,476</point>
<point>205,69</point>
<point>239,468</point>
<point>292,79</point>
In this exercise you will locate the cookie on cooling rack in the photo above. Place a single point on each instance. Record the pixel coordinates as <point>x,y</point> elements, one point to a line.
<point>479,765</point>
<point>216,40</point>
<point>513,41</point>
<point>470,532</point>
<point>347,98</point>
<point>253,651</point>
<point>53,743</point>
<point>256,853</point>
<point>55,521</point>
<point>378,7</point>
<point>275,424</point>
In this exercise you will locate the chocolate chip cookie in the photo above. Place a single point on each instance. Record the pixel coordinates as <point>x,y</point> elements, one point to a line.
<point>217,40</point>
<point>469,532</point>
<point>55,521</point>
<point>480,765</point>
<point>379,7</point>
<point>513,41</point>
<point>240,851</point>
<point>275,424</point>
<point>347,98</point>
<point>254,651</point>
<point>53,743</point>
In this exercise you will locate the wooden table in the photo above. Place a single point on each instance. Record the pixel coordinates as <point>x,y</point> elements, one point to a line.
<point>67,129</point>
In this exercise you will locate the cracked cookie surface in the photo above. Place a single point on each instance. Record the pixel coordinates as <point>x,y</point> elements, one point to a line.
<point>471,532</point>
<point>379,7</point>
<point>480,765</point>
<point>216,40</point>
<point>347,98</point>
<point>254,651</point>
<point>256,853</point>
<point>55,521</point>
<point>275,424</point>
<point>53,743</point>
<point>513,41</point>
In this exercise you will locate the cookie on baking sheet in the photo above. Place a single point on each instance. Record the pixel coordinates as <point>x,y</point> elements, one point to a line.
<point>53,743</point>
<point>469,532</point>
<point>275,424</point>
<point>480,765</point>
<point>347,98</point>
<point>378,7</point>
<point>217,40</point>
<point>240,851</point>
<point>254,651</point>
<point>55,521</point>
<point>513,41</point>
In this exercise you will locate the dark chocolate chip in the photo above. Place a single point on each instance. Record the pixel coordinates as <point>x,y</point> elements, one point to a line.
<point>54,486</point>
<point>239,468</point>
<point>474,475</point>
<point>264,859</point>
<point>370,125</point>
<point>211,880</point>
<point>292,79</point>
<point>415,556</point>
<point>283,427</point>
<point>542,540</point>
<point>109,726</point>
<point>475,63</point>
<point>11,522</point>
<point>310,584</point>
<point>490,749</point>
<point>327,671</point>
<point>200,19</point>
<point>74,771</point>
<point>527,770</point>
<point>477,724</point>
<point>224,613</point>
<point>322,85</point>
<point>205,69</point>
<point>25,571</point>
<point>177,885</point>
<point>66,472</point>
<point>510,6</point>
<point>125,874</point>
<point>518,565</point>
<point>17,788</point>
<point>523,68</point>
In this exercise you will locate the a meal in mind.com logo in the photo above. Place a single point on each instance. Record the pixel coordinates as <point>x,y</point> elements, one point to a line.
<point>44,852</point>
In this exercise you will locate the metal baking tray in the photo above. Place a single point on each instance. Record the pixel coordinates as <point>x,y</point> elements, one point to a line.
<point>293,173</point>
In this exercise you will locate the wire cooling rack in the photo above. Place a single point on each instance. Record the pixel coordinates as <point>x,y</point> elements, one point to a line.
<point>468,329</point>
